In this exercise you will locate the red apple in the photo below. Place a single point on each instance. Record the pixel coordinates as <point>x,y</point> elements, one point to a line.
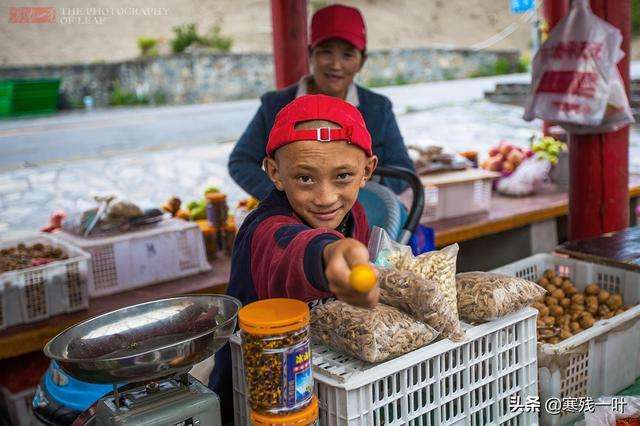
<point>508,166</point>
<point>495,164</point>
<point>506,149</point>
<point>515,157</point>
<point>493,151</point>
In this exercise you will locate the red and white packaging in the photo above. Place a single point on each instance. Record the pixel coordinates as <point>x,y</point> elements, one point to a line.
<point>575,80</point>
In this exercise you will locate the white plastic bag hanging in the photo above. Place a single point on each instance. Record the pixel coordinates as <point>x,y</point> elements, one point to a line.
<point>575,81</point>
<point>617,113</point>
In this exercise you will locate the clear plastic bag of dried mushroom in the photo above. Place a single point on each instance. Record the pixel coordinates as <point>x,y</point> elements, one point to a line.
<point>485,296</point>
<point>421,298</point>
<point>372,335</point>
<point>438,266</point>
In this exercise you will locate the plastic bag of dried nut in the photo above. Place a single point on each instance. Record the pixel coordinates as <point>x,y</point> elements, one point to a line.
<point>422,299</point>
<point>485,296</point>
<point>372,335</point>
<point>437,266</point>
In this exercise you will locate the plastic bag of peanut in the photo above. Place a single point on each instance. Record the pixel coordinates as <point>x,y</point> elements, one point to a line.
<point>421,298</point>
<point>485,296</point>
<point>372,335</point>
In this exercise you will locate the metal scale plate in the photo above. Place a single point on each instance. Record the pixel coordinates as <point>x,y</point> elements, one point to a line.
<point>152,344</point>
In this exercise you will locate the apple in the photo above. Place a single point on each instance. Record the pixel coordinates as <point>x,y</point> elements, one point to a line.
<point>495,164</point>
<point>508,166</point>
<point>515,157</point>
<point>493,151</point>
<point>506,149</point>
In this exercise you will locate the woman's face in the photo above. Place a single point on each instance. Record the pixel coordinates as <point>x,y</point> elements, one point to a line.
<point>334,64</point>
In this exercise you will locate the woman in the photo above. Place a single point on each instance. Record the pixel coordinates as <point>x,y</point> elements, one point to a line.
<point>337,53</point>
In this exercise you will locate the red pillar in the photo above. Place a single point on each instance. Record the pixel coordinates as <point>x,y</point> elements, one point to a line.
<point>290,54</point>
<point>552,12</point>
<point>599,164</point>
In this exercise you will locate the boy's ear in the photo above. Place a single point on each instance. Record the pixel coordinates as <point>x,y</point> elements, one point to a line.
<point>271,167</point>
<point>369,167</point>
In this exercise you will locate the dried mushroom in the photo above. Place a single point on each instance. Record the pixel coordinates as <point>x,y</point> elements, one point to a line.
<point>592,289</point>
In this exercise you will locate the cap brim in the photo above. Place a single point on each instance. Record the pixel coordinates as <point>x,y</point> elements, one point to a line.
<point>350,38</point>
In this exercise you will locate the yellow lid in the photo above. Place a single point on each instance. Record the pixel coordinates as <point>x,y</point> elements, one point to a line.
<point>215,196</point>
<point>307,415</point>
<point>206,227</point>
<point>273,316</point>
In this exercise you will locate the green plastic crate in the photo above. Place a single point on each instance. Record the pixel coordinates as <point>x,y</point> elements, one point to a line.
<point>6,95</point>
<point>25,97</point>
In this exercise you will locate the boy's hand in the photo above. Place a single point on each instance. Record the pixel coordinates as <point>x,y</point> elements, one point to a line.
<point>339,257</point>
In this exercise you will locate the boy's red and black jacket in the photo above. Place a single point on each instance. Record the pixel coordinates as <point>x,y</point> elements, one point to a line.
<point>276,254</point>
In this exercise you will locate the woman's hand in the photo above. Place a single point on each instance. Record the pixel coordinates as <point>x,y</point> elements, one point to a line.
<point>339,258</point>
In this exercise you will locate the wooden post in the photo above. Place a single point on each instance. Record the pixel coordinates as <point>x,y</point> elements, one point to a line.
<point>599,164</point>
<point>290,46</point>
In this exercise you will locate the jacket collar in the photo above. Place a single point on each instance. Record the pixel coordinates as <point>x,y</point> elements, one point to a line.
<point>352,92</point>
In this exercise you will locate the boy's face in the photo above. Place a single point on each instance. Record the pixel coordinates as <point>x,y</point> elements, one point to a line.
<point>321,179</point>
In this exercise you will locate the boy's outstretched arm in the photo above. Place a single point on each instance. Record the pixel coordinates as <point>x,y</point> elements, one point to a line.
<point>339,258</point>
<point>289,259</point>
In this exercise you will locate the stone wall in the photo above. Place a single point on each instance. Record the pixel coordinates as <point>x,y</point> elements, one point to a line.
<point>208,77</point>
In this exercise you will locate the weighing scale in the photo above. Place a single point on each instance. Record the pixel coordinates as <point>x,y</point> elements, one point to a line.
<point>145,351</point>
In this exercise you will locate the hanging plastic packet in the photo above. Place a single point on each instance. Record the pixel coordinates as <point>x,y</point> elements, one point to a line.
<point>575,80</point>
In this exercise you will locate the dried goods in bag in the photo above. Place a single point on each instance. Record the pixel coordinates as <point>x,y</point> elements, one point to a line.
<point>372,335</point>
<point>437,266</point>
<point>420,298</point>
<point>485,296</point>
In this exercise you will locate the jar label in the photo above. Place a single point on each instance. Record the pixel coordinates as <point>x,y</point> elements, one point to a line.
<point>298,377</point>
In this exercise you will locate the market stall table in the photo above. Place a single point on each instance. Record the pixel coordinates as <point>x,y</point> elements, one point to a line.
<point>514,228</point>
<point>488,241</point>
<point>27,338</point>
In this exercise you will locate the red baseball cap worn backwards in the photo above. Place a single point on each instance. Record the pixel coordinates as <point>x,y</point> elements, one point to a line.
<point>341,22</point>
<point>319,107</point>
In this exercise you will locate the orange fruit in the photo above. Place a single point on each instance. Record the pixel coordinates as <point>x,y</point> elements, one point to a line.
<point>362,278</point>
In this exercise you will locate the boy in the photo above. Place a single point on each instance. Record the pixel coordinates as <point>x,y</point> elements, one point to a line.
<point>304,238</point>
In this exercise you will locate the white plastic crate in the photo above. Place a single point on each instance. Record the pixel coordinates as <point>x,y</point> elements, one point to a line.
<point>18,406</point>
<point>444,383</point>
<point>459,193</point>
<point>600,360</point>
<point>33,294</point>
<point>173,248</point>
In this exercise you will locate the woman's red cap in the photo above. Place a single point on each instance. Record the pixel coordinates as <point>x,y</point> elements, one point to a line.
<point>353,129</point>
<point>341,22</point>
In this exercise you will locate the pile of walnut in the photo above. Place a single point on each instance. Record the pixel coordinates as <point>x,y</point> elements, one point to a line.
<point>564,311</point>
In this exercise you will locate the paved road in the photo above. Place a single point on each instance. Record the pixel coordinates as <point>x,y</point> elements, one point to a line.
<point>149,154</point>
<point>95,134</point>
